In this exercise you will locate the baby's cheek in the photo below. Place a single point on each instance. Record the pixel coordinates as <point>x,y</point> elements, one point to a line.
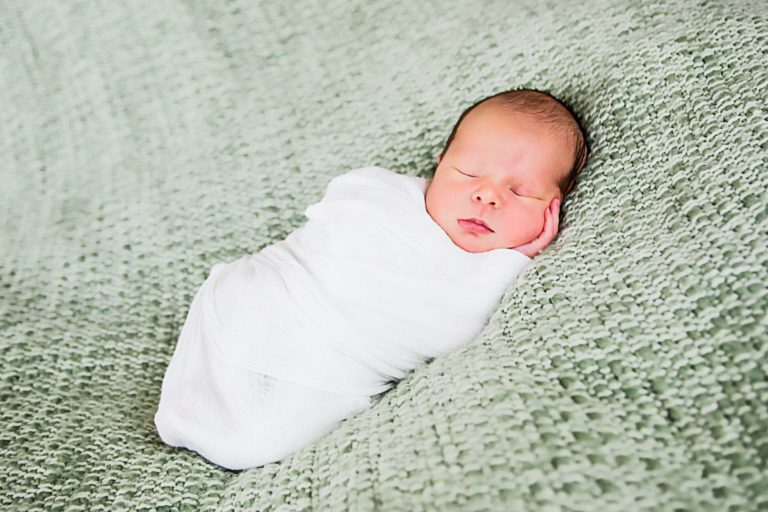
<point>534,230</point>
<point>528,227</point>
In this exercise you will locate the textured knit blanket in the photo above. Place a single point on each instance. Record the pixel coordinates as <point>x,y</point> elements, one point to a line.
<point>142,142</point>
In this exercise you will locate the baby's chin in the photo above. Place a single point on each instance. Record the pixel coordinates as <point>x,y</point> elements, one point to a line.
<point>476,244</point>
<point>475,250</point>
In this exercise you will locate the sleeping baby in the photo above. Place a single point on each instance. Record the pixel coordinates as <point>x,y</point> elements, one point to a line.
<point>389,271</point>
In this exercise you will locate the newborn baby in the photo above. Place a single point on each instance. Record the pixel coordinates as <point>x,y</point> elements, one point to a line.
<point>390,270</point>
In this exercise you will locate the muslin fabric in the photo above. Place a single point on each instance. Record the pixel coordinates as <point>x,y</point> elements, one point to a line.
<point>370,287</point>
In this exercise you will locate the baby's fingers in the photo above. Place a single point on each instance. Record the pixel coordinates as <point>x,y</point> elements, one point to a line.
<point>555,210</point>
<point>551,224</point>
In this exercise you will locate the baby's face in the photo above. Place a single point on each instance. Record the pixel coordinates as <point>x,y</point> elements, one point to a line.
<point>501,168</point>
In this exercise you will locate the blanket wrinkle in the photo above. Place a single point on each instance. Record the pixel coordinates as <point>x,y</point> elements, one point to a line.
<point>353,298</point>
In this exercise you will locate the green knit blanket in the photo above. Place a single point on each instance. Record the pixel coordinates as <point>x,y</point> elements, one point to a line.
<point>142,142</point>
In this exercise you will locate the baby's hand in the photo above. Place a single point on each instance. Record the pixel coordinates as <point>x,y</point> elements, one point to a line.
<point>548,233</point>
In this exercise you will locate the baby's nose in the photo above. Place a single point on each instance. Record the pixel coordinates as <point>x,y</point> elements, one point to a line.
<point>485,196</point>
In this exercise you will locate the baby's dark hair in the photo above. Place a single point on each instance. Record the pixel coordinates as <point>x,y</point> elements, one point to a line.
<point>549,110</point>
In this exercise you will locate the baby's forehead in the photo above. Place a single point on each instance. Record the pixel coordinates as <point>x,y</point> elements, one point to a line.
<point>535,155</point>
<point>489,121</point>
<point>513,141</point>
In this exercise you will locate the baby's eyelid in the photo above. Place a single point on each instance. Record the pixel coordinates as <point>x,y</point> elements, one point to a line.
<point>509,188</point>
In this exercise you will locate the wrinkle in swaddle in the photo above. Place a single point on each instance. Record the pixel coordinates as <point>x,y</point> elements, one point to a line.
<point>362,293</point>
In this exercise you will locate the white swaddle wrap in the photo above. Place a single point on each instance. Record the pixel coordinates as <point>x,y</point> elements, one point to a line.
<point>354,299</point>
<point>362,293</point>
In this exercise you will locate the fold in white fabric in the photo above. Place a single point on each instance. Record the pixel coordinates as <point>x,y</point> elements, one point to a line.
<point>354,299</point>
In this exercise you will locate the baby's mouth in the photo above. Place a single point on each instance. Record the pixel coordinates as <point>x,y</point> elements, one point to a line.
<point>474,226</point>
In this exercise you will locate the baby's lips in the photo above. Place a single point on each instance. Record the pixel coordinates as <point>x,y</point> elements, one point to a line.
<point>474,222</point>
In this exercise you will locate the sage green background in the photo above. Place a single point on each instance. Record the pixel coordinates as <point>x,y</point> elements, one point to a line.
<point>142,142</point>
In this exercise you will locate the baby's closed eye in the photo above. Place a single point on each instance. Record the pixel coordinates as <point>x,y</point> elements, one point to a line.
<point>518,190</point>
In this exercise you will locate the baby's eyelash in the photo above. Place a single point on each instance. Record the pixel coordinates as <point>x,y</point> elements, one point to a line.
<point>465,174</point>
